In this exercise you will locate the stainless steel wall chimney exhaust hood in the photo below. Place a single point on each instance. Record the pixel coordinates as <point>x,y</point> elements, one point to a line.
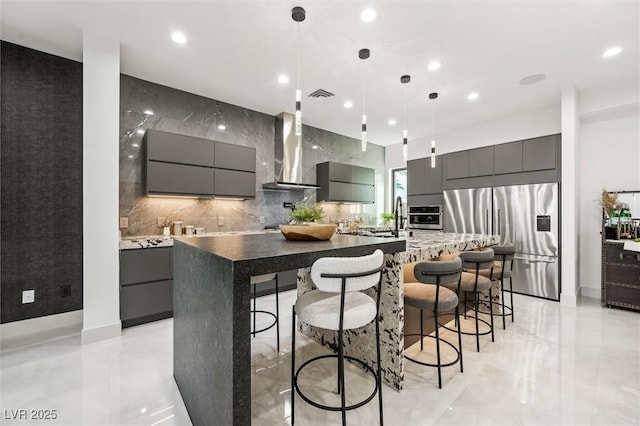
<point>288,157</point>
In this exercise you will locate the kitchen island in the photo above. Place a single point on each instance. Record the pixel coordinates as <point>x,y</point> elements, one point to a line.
<point>212,350</point>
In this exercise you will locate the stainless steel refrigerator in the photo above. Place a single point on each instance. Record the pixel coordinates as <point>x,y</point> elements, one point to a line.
<point>523,215</point>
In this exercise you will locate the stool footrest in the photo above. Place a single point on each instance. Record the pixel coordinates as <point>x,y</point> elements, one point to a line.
<point>435,365</point>
<point>275,321</point>
<point>468,333</point>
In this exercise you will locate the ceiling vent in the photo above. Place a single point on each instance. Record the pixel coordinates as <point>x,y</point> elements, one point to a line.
<point>321,93</point>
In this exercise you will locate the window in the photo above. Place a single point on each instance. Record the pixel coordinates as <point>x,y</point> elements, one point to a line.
<point>399,185</point>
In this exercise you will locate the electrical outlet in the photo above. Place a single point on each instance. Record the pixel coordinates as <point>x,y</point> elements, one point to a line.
<point>261,219</point>
<point>28,296</point>
<point>220,221</point>
<point>124,222</point>
<point>161,220</point>
<point>65,290</point>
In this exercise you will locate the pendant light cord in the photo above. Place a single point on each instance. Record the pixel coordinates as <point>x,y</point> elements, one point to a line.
<point>298,47</point>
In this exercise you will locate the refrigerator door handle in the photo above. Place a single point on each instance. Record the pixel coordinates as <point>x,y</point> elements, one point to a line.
<point>486,221</point>
<point>499,221</point>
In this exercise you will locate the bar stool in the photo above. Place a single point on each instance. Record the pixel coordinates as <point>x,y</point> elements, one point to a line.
<point>503,254</point>
<point>258,279</point>
<point>473,282</point>
<point>338,304</point>
<point>428,294</point>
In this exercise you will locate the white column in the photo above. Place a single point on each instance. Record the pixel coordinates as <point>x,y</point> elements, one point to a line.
<point>100,168</point>
<point>569,240</point>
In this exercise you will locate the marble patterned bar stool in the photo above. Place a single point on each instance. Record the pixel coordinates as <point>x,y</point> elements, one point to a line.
<point>258,279</point>
<point>340,304</point>
<point>503,269</point>
<point>472,282</point>
<point>430,295</point>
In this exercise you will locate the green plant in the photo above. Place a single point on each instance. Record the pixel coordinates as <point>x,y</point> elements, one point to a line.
<point>388,217</point>
<point>306,213</point>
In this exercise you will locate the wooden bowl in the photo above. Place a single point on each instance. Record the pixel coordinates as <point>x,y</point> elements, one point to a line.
<point>309,232</point>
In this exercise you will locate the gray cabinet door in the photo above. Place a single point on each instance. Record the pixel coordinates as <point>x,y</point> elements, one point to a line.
<point>508,158</point>
<point>233,183</point>
<point>481,161</point>
<point>235,157</point>
<point>432,183</point>
<point>142,300</point>
<point>145,265</point>
<point>363,193</point>
<point>415,176</point>
<point>363,175</point>
<point>339,191</point>
<point>174,148</point>
<point>168,178</point>
<point>539,153</point>
<point>457,165</point>
<point>339,172</point>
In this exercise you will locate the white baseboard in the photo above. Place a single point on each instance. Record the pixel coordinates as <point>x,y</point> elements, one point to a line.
<point>570,300</point>
<point>34,331</point>
<point>592,293</point>
<point>101,333</point>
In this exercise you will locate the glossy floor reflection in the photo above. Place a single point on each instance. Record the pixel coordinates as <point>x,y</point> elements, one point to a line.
<point>553,366</point>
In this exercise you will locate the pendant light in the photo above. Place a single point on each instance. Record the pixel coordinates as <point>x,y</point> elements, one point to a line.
<point>364,54</point>
<point>298,14</point>
<point>433,96</point>
<point>405,149</point>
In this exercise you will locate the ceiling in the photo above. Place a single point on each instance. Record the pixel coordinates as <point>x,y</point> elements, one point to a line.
<point>237,49</point>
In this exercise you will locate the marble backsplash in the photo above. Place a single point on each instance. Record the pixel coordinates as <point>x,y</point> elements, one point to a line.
<point>185,113</point>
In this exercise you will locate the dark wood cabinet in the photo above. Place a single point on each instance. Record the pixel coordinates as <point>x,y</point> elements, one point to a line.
<point>146,285</point>
<point>345,183</point>
<point>620,275</point>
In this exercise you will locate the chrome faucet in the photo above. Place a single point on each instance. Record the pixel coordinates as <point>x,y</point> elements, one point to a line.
<point>399,217</point>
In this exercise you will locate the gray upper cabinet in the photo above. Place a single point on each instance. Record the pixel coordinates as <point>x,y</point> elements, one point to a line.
<point>345,183</point>
<point>457,165</point>
<point>234,183</point>
<point>481,161</point>
<point>235,157</point>
<point>179,179</point>
<point>508,158</point>
<point>539,153</point>
<point>174,148</point>
<point>184,165</point>
<point>422,178</point>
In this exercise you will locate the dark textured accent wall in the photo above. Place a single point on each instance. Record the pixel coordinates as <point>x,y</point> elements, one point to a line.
<point>41,182</point>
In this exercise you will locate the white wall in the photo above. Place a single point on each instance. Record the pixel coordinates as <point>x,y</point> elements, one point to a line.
<point>610,159</point>
<point>100,121</point>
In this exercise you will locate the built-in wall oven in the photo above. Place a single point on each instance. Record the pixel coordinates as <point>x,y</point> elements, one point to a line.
<point>425,217</point>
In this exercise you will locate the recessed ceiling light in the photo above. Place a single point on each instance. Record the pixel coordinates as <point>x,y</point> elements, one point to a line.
<point>368,15</point>
<point>473,96</point>
<point>135,144</point>
<point>179,38</point>
<point>434,65</point>
<point>532,79</point>
<point>148,112</point>
<point>612,51</point>
<point>140,131</point>
<point>315,146</point>
<point>348,104</point>
<point>283,79</point>
<point>222,127</point>
<point>392,122</point>
<point>130,156</point>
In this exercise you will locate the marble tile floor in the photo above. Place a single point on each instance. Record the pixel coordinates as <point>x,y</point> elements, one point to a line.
<point>553,366</point>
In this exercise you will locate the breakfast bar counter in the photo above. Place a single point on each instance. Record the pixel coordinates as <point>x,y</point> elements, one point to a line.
<point>212,349</point>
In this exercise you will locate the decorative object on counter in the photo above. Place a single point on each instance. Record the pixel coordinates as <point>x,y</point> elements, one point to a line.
<point>199,231</point>
<point>166,231</point>
<point>387,218</point>
<point>177,228</point>
<point>364,54</point>
<point>189,230</point>
<point>166,225</point>
<point>433,96</point>
<point>611,205</point>
<point>304,227</point>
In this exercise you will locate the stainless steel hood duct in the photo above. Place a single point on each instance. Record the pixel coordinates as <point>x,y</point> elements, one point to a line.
<point>288,157</point>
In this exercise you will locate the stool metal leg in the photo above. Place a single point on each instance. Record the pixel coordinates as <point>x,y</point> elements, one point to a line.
<point>475,308</point>
<point>277,317</point>
<point>421,331</point>
<point>435,313</point>
<point>379,366</point>
<point>254,311</point>
<point>343,399</point>
<point>491,310</point>
<point>504,320</point>
<point>511,293</point>
<point>459,338</point>
<point>293,363</point>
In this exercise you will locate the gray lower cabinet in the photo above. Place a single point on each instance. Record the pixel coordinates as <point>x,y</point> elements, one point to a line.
<point>234,183</point>
<point>146,285</point>
<point>179,179</point>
